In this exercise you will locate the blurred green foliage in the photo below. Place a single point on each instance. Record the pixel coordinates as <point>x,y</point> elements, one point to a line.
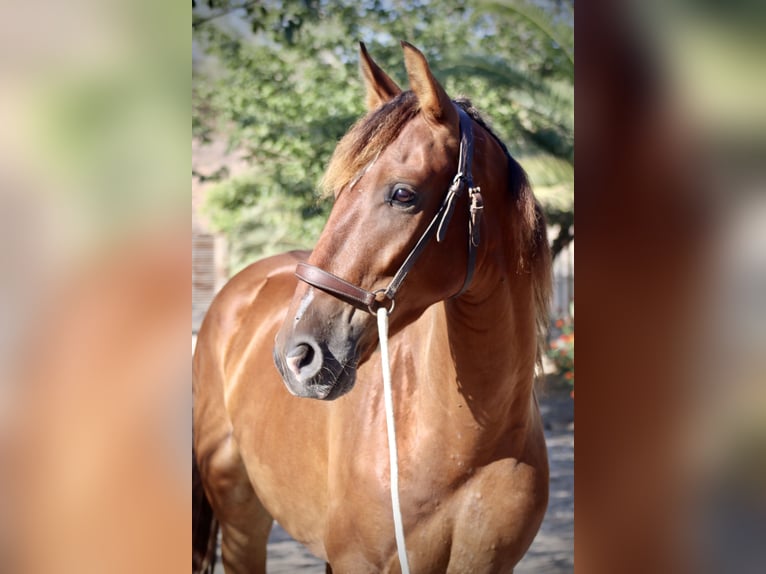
<point>281,81</point>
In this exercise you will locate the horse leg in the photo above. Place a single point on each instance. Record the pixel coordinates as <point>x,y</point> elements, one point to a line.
<point>204,526</point>
<point>245,523</point>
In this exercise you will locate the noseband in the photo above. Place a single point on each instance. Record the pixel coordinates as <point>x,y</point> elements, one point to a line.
<point>372,300</point>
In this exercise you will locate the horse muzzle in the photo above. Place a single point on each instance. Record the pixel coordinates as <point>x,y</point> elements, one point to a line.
<point>312,369</point>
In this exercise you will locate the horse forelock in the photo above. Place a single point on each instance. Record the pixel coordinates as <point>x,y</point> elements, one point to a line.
<point>366,139</point>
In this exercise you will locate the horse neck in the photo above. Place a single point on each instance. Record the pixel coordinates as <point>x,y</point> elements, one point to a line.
<point>492,328</point>
<point>493,343</point>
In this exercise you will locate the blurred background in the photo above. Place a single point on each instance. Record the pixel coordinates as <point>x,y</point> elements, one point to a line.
<point>94,290</point>
<point>671,401</point>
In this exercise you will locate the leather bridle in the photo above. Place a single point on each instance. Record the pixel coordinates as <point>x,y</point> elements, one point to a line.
<point>372,300</point>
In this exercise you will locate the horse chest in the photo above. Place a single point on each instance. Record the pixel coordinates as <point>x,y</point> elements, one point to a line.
<point>478,525</point>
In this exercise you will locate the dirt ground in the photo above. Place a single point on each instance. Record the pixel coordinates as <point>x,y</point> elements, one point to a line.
<point>552,552</point>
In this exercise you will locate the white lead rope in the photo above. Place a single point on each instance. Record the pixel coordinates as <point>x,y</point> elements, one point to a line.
<point>392,455</point>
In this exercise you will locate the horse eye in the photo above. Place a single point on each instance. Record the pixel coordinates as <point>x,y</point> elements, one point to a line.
<point>402,195</point>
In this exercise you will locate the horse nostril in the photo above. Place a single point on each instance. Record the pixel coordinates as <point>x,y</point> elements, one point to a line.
<point>299,360</point>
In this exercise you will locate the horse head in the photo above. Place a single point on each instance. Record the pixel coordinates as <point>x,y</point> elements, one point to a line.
<point>402,207</point>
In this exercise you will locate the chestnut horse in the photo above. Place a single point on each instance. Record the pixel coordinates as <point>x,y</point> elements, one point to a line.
<point>465,327</point>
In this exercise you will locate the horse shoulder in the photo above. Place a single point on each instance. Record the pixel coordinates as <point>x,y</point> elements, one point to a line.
<point>244,303</point>
<point>286,468</point>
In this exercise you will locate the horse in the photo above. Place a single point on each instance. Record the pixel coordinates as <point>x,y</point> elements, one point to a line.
<point>436,223</point>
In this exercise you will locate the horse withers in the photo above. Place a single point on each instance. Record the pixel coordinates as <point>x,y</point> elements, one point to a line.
<point>434,221</point>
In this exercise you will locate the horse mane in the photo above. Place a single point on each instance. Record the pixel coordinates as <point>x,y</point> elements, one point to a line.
<point>530,233</point>
<point>379,128</point>
<point>366,139</point>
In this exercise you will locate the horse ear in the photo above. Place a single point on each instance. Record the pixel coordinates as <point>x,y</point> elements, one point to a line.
<point>380,88</point>
<point>434,101</point>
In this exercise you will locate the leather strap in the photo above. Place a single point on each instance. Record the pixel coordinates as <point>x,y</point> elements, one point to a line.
<point>372,300</point>
<point>334,285</point>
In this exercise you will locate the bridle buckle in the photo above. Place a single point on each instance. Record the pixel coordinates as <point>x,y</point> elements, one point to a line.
<point>475,210</point>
